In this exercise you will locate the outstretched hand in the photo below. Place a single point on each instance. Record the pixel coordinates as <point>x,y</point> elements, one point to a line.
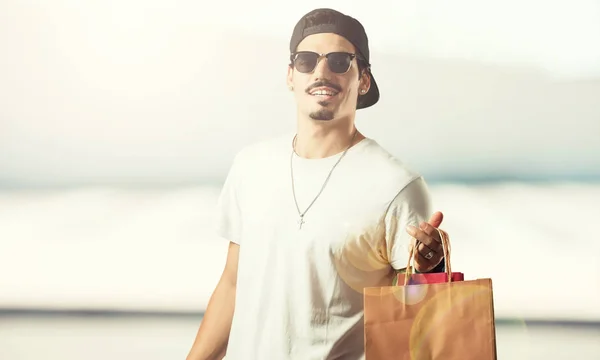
<point>429,245</point>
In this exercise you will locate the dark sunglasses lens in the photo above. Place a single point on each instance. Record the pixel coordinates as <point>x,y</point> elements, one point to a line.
<point>339,62</point>
<point>306,62</point>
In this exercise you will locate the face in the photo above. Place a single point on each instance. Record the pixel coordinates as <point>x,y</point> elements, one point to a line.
<point>323,94</point>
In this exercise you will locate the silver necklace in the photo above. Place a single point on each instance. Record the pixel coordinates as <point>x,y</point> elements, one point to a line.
<point>300,213</point>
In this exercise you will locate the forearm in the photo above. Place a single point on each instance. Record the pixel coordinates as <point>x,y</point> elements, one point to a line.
<point>213,335</point>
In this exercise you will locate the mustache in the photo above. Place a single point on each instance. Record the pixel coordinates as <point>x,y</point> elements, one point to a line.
<point>324,83</point>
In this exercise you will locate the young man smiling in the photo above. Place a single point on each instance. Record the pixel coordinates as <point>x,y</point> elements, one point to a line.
<point>316,217</point>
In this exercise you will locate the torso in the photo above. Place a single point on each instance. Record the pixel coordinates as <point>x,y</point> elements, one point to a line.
<point>300,289</point>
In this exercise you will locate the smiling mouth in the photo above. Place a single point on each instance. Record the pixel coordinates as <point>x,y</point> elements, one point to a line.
<point>323,92</point>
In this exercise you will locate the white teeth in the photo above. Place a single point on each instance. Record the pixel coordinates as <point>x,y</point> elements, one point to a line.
<point>323,92</point>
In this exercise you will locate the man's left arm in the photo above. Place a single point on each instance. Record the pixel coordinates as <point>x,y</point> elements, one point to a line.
<point>409,223</point>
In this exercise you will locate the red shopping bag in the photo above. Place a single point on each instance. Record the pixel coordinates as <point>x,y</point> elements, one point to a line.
<point>427,278</point>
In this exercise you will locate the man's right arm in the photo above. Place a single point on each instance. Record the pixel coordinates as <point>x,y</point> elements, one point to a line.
<point>213,335</point>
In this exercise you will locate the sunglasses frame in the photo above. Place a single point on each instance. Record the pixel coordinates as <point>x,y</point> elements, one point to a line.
<point>294,55</point>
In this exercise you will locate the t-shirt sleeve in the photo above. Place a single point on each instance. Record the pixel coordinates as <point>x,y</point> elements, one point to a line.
<point>411,206</point>
<point>228,217</point>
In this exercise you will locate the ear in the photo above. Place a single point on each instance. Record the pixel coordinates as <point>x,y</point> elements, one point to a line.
<point>290,78</point>
<point>365,81</point>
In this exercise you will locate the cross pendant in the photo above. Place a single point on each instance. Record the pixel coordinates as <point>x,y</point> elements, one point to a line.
<point>300,222</point>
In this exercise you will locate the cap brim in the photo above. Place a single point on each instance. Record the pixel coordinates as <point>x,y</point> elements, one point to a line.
<point>371,97</point>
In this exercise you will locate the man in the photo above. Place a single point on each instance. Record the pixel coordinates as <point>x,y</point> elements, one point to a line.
<point>314,218</point>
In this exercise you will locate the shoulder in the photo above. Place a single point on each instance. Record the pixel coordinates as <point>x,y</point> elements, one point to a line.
<point>389,171</point>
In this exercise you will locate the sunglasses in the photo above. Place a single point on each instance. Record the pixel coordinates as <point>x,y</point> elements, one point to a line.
<point>306,61</point>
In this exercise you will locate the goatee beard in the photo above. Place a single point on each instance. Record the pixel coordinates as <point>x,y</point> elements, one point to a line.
<point>322,114</point>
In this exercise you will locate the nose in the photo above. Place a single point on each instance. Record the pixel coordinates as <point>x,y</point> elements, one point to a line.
<point>322,69</point>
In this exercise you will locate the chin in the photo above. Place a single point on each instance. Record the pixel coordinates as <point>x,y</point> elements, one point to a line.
<point>322,114</point>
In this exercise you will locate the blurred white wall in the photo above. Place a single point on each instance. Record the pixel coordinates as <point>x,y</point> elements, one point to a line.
<point>165,92</point>
<point>155,249</point>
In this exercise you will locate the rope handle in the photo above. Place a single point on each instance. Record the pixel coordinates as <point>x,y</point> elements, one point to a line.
<point>414,253</point>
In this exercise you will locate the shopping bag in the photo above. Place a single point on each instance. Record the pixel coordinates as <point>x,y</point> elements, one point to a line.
<point>425,320</point>
<point>426,278</point>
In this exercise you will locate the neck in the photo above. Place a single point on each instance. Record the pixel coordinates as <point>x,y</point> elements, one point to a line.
<point>320,139</point>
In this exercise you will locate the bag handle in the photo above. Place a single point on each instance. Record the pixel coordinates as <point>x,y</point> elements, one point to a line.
<point>446,248</point>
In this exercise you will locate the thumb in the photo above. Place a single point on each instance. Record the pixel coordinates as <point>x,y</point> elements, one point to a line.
<point>436,219</point>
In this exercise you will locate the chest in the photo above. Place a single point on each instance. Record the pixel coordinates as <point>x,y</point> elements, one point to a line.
<point>320,216</point>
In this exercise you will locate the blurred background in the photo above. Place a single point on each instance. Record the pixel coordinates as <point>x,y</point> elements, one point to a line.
<point>120,119</point>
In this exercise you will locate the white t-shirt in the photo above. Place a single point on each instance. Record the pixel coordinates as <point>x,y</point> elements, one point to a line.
<point>299,291</point>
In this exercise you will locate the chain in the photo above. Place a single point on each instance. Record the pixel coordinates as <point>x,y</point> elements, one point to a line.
<point>300,213</point>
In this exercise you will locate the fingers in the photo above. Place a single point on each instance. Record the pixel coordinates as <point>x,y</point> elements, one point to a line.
<point>422,263</point>
<point>436,219</point>
<point>424,250</point>
<point>428,236</point>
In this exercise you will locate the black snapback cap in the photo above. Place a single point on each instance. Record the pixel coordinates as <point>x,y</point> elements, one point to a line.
<point>337,23</point>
